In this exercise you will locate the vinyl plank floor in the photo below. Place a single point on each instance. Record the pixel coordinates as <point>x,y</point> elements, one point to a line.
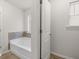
<point>12,56</point>
<point>55,57</point>
<point>9,56</point>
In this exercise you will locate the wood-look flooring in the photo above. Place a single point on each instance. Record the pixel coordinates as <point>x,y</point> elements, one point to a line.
<point>9,56</point>
<point>55,57</point>
<point>12,56</point>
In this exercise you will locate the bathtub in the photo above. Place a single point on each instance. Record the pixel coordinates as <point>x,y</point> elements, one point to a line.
<point>21,47</point>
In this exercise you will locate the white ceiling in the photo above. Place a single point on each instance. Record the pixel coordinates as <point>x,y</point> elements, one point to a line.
<point>23,4</point>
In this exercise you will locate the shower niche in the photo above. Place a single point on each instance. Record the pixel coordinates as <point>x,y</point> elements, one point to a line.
<point>73,22</point>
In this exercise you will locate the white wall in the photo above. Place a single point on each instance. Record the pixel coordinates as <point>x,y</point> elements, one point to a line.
<point>64,41</point>
<point>12,21</point>
<point>13,18</point>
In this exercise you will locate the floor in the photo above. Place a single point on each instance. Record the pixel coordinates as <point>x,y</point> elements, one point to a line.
<point>12,56</point>
<point>9,56</point>
<point>55,57</point>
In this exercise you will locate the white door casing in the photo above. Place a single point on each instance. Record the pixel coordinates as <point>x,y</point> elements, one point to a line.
<point>1,29</point>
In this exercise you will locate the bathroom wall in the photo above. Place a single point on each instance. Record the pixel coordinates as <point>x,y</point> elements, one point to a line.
<point>13,18</point>
<point>12,21</point>
<point>64,41</point>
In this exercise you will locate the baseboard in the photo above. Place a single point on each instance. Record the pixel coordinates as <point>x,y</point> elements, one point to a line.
<point>65,57</point>
<point>4,52</point>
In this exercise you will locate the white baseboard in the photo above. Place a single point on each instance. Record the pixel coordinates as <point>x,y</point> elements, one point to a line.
<point>65,57</point>
<point>4,52</point>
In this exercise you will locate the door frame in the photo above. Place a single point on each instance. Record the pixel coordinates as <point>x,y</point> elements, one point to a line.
<point>35,28</point>
<point>41,28</point>
<point>41,31</point>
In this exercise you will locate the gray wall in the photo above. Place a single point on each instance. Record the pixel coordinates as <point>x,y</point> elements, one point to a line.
<point>64,41</point>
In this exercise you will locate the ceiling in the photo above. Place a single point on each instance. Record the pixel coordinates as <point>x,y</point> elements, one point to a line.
<point>23,4</point>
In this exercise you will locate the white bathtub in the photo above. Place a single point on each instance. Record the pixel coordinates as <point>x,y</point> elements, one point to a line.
<point>21,47</point>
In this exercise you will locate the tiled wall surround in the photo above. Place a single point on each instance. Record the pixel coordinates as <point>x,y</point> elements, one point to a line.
<point>25,34</point>
<point>15,35</point>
